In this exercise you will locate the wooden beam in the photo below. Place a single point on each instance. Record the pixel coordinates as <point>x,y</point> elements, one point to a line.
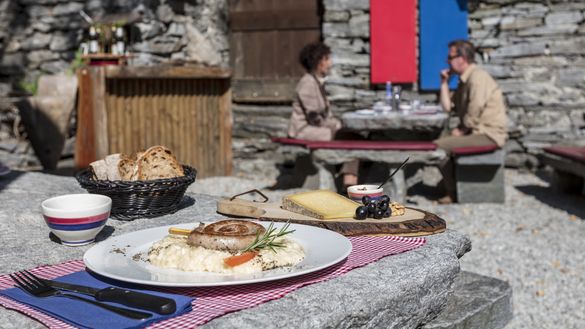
<point>85,137</point>
<point>165,72</point>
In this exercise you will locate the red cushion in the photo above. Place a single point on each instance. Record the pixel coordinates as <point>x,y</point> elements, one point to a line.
<point>468,150</point>
<point>374,145</point>
<point>574,153</point>
<point>290,141</point>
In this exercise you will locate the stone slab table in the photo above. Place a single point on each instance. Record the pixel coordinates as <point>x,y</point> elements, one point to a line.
<point>395,125</point>
<point>400,291</point>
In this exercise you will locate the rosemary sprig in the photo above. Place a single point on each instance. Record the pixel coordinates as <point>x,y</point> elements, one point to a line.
<point>266,240</point>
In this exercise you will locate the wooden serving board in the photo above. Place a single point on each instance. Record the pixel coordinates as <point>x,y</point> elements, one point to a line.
<point>414,222</point>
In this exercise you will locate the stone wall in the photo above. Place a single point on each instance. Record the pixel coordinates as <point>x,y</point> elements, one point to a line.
<point>42,36</point>
<point>534,49</point>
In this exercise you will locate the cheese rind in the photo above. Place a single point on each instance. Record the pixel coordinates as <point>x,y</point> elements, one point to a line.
<point>320,204</point>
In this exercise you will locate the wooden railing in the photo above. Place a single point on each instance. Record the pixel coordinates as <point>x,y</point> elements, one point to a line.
<point>125,109</point>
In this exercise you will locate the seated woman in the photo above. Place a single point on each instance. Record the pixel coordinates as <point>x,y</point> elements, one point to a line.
<point>311,118</point>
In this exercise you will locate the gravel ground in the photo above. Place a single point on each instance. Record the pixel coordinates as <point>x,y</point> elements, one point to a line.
<point>533,241</point>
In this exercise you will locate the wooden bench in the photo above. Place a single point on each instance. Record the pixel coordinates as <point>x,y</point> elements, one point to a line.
<point>479,174</point>
<point>325,155</point>
<point>569,168</point>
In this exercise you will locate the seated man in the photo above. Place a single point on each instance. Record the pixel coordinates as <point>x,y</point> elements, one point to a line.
<point>311,117</point>
<point>479,104</point>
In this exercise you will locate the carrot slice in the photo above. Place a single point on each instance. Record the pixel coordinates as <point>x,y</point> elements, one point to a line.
<point>240,259</point>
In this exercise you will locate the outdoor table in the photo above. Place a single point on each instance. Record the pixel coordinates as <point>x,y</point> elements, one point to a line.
<point>399,291</point>
<point>395,124</point>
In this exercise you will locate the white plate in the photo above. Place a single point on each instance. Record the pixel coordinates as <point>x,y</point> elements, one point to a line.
<point>365,112</point>
<point>123,258</point>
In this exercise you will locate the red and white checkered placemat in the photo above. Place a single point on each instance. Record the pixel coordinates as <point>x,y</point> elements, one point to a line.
<point>212,302</point>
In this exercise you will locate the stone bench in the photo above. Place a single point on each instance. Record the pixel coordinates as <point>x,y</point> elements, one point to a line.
<point>477,301</point>
<point>479,174</point>
<point>325,155</point>
<point>569,167</point>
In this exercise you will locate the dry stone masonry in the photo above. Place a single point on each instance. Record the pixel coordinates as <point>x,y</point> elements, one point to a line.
<point>535,50</point>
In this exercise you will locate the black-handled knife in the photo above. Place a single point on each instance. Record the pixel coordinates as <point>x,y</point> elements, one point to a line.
<point>148,302</point>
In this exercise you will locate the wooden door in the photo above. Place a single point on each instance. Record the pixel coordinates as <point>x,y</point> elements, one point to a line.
<point>265,39</point>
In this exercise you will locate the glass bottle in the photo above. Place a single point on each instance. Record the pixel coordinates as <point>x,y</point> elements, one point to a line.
<point>113,45</point>
<point>396,91</point>
<point>94,44</point>
<point>389,94</point>
<point>120,42</point>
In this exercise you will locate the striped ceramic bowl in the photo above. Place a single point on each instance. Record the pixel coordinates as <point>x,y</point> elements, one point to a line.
<point>76,219</point>
<point>357,192</point>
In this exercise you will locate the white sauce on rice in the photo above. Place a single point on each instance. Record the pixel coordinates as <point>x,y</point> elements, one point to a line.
<point>174,252</point>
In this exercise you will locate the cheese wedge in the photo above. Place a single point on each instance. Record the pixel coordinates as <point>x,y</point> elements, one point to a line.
<point>320,204</point>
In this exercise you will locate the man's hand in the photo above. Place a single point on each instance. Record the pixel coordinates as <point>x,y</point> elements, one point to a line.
<point>445,95</point>
<point>445,75</point>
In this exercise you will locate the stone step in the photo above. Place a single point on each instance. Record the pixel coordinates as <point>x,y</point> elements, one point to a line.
<point>477,302</point>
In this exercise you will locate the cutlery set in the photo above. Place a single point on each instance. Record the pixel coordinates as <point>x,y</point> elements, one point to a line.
<point>41,288</point>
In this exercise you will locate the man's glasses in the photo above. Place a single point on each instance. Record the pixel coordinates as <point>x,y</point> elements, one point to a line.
<point>452,57</point>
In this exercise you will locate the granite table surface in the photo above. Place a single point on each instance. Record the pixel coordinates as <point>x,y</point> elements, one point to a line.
<point>394,120</point>
<point>399,291</point>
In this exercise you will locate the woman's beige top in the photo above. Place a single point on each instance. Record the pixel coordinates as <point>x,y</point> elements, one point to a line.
<point>479,103</point>
<point>311,118</point>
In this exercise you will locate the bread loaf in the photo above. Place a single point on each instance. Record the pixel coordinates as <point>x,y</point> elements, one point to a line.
<point>155,163</point>
<point>158,162</point>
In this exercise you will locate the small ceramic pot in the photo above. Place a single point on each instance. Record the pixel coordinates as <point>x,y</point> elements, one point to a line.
<point>357,192</point>
<point>76,219</point>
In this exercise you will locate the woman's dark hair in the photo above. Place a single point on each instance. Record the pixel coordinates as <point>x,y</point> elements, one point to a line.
<point>312,54</point>
<point>465,49</point>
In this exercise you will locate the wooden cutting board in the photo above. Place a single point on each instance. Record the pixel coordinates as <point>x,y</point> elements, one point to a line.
<point>414,222</point>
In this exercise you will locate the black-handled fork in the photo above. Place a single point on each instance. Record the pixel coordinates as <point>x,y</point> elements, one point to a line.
<point>38,288</point>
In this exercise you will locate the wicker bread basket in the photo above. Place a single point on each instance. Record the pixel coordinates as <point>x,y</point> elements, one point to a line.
<point>137,199</point>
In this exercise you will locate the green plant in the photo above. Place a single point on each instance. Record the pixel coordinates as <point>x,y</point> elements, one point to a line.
<point>77,62</point>
<point>29,87</point>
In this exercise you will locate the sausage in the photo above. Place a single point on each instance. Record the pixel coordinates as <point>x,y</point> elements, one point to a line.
<point>227,235</point>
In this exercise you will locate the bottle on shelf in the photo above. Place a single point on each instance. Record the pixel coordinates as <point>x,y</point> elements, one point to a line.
<point>119,43</point>
<point>101,40</point>
<point>113,45</point>
<point>94,43</point>
<point>84,48</point>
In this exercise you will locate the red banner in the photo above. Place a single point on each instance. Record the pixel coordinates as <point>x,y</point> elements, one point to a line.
<point>393,41</point>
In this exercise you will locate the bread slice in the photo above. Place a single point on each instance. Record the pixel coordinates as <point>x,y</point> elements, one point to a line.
<point>126,168</point>
<point>112,171</point>
<point>320,204</point>
<point>158,162</point>
<point>100,170</point>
